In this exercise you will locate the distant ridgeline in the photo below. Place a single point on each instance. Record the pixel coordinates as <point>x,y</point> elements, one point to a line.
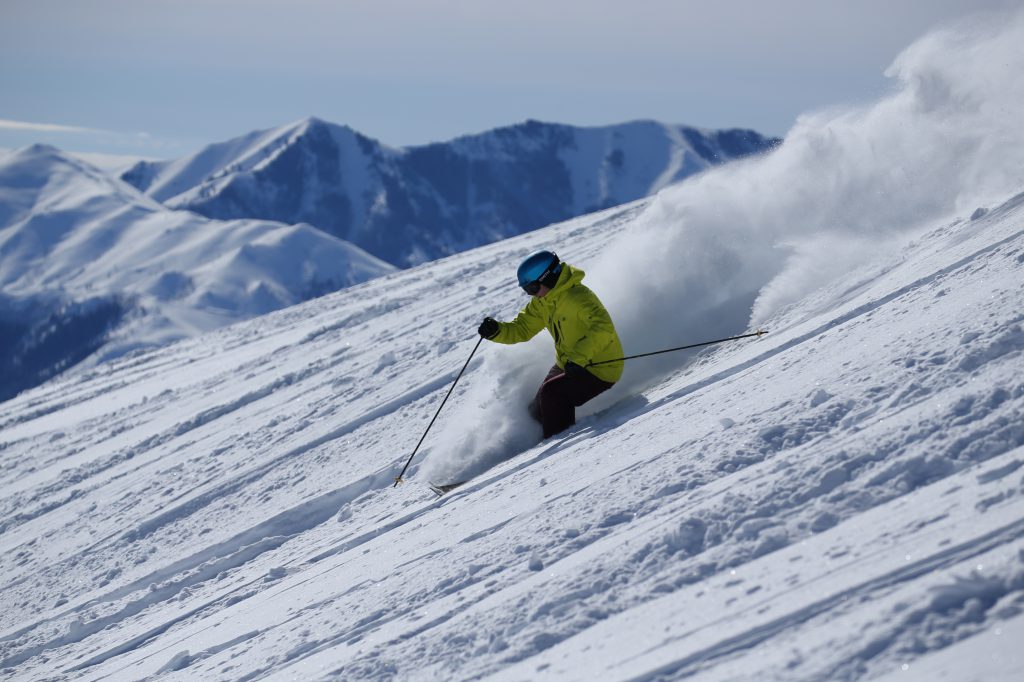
<point>416,204</point>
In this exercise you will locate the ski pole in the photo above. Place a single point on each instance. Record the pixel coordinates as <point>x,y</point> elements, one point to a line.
<point>758,333</point>
<point>398,479</point>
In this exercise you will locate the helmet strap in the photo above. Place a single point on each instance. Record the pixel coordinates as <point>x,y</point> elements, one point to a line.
<point>551,278</point>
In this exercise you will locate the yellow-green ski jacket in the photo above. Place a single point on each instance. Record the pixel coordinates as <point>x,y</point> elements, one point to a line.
<point>578,322</point>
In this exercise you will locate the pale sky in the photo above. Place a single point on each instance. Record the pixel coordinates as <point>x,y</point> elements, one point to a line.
<point>165,77</point>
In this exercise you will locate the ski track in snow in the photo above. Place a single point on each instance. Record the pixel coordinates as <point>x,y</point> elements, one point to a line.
<point>833,501</point>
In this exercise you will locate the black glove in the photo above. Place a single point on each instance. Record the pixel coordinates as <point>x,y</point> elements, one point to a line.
<point>489,328</point>
<point>574,371</point>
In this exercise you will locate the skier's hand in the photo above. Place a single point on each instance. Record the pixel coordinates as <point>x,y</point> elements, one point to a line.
<point>574,371</point>
<point>488,328</point>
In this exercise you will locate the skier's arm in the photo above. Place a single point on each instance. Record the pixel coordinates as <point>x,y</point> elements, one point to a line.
<point>527,325</point>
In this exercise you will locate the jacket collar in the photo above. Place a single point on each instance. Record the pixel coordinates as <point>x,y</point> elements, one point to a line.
<point>569,278</point>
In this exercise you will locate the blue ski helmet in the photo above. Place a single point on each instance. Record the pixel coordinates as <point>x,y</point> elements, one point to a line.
<point>542,267</point>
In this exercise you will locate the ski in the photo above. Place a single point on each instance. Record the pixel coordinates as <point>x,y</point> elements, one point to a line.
<point>441,489</point>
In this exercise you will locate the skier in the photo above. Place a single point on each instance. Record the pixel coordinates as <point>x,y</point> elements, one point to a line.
<point>582,330</point>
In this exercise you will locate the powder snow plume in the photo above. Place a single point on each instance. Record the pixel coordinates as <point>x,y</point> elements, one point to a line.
<point>724,251</point>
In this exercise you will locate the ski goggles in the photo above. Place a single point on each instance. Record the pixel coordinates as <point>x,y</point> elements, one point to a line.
<point>532,287</point>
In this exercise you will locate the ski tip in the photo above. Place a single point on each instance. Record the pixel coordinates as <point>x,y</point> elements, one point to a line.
<point>440,489</point>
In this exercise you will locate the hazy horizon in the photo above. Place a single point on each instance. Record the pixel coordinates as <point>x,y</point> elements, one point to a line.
<point>162,79</point>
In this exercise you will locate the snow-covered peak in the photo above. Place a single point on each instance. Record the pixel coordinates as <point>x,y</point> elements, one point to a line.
<point>43,177</point>
<point>425,202</point>
<point>47,196</point>
<point>209,170</point>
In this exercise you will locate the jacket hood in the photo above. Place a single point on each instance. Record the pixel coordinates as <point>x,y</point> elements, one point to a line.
<point>570,277</point>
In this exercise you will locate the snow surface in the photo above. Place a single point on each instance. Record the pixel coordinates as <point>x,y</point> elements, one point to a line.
<point>841,499</point>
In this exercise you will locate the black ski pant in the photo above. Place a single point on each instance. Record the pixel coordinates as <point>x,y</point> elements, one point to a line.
<point>559,396</point>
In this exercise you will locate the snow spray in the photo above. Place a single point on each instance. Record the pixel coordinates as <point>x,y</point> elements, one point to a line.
<point>724,251</point>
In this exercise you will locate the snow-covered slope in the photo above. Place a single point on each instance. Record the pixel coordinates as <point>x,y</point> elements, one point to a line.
<point>69,233</point>
<point>839,498</point>
<point>412,205</point>
<point>842,499</point>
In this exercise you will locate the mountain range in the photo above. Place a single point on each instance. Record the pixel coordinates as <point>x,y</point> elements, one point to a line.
<point>411,205</point>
